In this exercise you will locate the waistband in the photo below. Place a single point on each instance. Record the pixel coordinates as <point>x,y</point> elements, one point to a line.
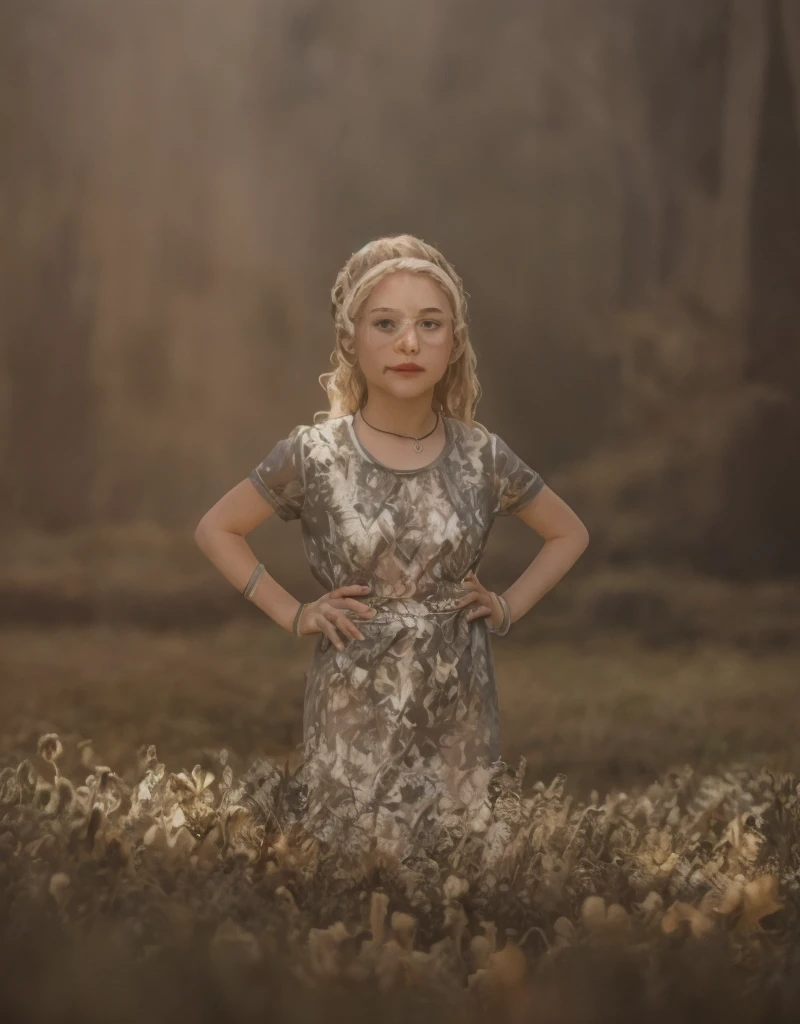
<point>438,605</point>
<point>393,601</point>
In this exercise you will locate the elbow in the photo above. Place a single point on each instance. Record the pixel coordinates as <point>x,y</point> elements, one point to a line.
<point>206,533</point>
<point>201,533</point>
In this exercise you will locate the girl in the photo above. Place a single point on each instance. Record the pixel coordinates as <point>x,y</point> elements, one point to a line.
<point>396,487</point>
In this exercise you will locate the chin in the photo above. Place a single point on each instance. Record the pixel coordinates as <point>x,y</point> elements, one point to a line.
<point>411,389</point>
<point>395,384</point>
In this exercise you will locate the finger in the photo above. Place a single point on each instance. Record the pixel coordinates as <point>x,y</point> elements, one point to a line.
<point>351,588</point>
<point>330,614</point>
<point>477,613</point>
<point>359,606</point>
<point>347,626</point>
<point>469,599</point>
<point>329,630</point>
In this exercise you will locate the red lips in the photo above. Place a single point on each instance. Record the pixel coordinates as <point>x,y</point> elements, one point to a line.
<point>407,367</point>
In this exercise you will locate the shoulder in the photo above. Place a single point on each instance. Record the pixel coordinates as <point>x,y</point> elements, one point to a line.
<point>325,431</point>
<point>474,438</point>
<point>325,438</point>
<point>328,431</point>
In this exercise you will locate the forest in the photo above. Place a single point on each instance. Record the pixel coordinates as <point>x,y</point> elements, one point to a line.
<point>617,182</point>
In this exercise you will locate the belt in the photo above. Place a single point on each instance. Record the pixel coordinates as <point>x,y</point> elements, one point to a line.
<point>404,612</point>
<point>390,602</point>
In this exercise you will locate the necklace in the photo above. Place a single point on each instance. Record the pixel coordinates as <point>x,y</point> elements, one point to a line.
<point>410,437</point>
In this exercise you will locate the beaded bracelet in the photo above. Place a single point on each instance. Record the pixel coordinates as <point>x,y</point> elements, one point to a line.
<point>505,625</point>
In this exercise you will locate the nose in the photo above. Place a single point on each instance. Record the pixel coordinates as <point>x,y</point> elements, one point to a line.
<point>407,337</point>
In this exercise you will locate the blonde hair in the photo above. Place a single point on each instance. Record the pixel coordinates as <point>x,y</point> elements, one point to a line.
<point>458,391</point>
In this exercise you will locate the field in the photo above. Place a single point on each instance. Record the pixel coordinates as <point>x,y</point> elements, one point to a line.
<point>643,859</point>
<point>612,714</point>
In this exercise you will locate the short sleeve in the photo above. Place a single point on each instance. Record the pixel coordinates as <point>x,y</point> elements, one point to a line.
<point>515,483</point>
<point>279,479</point>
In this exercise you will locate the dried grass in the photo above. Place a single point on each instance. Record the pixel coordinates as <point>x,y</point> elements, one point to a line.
<point>488,916</point>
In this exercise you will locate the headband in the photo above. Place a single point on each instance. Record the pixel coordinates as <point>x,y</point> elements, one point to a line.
<point>396,263</point>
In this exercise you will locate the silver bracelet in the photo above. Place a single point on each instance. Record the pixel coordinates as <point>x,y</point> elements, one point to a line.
<point>252,583</point>
<point>297,614</point>
<point>505,625</point>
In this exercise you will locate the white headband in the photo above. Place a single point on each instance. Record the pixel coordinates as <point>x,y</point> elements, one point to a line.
<point>397,263</point>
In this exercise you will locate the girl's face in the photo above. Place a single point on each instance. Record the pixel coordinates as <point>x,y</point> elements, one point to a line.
<point>405,318</point>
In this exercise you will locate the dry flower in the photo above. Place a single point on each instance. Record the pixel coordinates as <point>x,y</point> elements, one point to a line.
<point>49,747</point>
<point>715,849</point>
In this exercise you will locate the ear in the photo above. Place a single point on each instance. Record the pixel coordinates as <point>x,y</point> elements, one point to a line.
<point>347,353</point>
<point>456,354</point>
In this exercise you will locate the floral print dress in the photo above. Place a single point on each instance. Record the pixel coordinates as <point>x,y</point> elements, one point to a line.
<point>400,729</point>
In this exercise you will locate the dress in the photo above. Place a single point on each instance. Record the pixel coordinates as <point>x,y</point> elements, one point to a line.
<point>405,721</point>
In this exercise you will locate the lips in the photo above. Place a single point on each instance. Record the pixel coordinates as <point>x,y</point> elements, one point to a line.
<point>407,368</point>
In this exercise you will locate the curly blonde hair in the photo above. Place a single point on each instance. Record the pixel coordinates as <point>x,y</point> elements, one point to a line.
<point>458,391</point>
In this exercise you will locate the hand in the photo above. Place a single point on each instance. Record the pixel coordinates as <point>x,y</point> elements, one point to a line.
<point>486,601</point>
<point>329,612</point>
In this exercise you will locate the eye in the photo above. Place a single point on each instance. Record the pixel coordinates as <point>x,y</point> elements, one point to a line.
<point>434,324</point>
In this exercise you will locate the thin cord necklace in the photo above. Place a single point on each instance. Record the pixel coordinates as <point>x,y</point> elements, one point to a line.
<point>410,437</point>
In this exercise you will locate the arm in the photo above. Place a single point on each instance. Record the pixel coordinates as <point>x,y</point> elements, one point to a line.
<point>565,540</point>
<point>220,535</point>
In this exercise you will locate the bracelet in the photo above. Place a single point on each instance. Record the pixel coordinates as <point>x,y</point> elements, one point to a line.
<point>297,615</point>
<point>252,583</point>
<point>505,625</point>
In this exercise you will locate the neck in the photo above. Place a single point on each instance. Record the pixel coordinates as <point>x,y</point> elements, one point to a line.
<point>414,416</point>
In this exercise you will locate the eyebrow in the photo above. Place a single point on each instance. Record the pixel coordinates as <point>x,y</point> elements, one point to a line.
<point>386,309</point>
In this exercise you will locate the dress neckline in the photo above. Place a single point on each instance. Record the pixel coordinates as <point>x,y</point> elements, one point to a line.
<point>448,444</point>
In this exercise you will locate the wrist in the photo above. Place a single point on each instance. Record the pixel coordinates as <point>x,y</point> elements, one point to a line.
<point>295,626</point>
<point>497,610</point>
<point>499,625</point>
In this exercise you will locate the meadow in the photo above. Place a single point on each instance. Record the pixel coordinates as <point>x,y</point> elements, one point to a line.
<point>640,853</point>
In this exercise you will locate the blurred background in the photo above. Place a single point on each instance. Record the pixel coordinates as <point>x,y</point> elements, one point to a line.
<point>618,184</point>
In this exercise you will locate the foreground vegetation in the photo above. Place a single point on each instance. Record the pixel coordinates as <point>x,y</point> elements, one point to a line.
<point>515,882</point>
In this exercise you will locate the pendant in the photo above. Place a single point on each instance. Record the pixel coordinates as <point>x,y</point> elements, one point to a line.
<point>417,446</point>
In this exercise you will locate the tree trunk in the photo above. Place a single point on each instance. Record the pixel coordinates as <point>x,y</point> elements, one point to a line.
<point>790,11</point>
<point>713,268</point>
<point>756,534</point>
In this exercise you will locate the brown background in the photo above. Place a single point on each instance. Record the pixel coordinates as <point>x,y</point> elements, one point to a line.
<point>618,183</point>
